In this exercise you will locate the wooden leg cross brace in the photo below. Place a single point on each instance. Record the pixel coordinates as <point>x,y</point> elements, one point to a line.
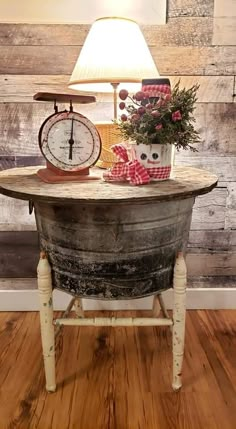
<point>47,323</point>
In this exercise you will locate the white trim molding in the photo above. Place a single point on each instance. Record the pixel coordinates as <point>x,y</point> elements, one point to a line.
<point>201,298</point>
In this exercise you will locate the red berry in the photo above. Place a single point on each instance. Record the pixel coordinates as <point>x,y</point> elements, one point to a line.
<point>123,117</point>
<point>122,105</point>
<point>167,97</point>
<point>135,117</point>
<point>140,95</point>
<point>141,110</point>
<point>155,113</point>
<point>149,106</point>
<point>123,94</point>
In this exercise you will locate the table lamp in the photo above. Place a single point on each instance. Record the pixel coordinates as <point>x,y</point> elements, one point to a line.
<point>114,53</point>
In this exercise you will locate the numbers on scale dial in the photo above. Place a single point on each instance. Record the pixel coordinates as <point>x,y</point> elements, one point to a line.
<point>70,142</point>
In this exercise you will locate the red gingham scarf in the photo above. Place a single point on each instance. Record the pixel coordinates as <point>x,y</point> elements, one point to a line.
<point>132,171</point>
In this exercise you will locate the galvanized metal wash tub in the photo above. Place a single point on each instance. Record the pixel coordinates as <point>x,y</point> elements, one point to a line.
<point>111,241</point>
<point>113,251</point>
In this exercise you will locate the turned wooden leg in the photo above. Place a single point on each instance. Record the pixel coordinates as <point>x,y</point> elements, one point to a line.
<point>179,311</point>
<point>78,306</point>
<point>46,321</point>
<point>156,308</point>
<point>163,307</point>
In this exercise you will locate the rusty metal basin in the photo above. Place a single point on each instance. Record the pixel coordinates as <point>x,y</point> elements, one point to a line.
<point>99,250</point>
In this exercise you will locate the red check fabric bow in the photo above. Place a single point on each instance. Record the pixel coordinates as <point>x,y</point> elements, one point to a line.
<point>133,171</point>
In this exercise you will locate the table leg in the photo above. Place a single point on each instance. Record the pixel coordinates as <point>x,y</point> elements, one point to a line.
<point>156,307</point>
<point>78,306</point>
<point>46,321</point>
<point>180,275</point>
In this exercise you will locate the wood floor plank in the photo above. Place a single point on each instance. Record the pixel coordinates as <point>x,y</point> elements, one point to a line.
<point>119,378</point>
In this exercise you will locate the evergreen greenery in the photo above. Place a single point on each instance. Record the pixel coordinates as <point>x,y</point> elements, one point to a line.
<point>168,119</point>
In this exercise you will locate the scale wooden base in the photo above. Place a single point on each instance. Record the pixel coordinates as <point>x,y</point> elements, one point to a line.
<point>51,174</point>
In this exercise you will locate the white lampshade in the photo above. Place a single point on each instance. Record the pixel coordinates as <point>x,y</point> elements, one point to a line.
<point>114,51</point>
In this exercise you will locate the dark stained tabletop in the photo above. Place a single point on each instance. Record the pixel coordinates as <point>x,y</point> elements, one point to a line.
<point>23,183</point>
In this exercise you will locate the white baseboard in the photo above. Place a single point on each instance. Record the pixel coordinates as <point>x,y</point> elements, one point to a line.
<point>212,298</point>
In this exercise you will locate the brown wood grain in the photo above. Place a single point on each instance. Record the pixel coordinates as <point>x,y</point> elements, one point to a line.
<point>209,213</point>
<point>18,88</point>
<point>224,31</point>
<point>180,32</point>
<point>190,8</point>
<point>216,123</point>
<point>24,183</point>
<point>211,282</point>
<point>42,34</point>
<point>7,162</point>
<point>121,377</point>
<point>57,60</point>
<point>18,254</point>
<point>188,60</point>
<point>20,124</point>
<point>21,88</point>
<point>224,8</point>
<point>223,166</point>
<point>211,264</point>
<point>18,283</point>
<point>14,215</point>
<point>212,88</point>
<point>210,210</point>
<point>30,283</point>
<point>63,98</point>
<point>182,47</point>
<point>212,240</point>
<point>196,31</point>
<point>20,161</point>
<point>230,219</point>
<point>217,341</point>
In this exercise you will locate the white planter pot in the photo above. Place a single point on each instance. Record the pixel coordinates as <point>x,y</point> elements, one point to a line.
<point>156,158</point>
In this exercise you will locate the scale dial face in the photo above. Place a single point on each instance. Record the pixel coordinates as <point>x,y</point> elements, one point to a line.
<point>69,141</point>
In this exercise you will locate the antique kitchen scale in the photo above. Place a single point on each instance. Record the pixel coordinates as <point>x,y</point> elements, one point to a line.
<point>69,141</point>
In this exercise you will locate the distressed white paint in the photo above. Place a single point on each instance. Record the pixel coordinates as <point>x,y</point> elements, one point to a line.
<point>179,312</point>
<point>78,307</point>
<point>114,321</point>
<point>163,307</point>
<point>47,331</point>
<point>82,11</point>
<point>46,321</point>
<point>156,307</point>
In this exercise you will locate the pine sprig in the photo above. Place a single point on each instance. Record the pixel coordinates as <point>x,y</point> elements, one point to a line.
<point>168,120</point>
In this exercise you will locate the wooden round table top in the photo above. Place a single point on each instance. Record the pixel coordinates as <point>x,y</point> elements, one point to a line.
<point>23,183</point>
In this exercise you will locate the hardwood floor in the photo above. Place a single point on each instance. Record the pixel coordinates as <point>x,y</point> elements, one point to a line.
<point>119,378</point>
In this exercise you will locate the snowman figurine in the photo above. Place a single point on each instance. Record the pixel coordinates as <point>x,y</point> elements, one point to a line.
<point>156,158</point>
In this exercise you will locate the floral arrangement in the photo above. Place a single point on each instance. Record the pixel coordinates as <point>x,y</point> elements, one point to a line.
<point>164,119</point>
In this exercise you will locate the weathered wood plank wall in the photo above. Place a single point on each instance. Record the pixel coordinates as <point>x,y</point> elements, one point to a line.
<point>196,45</point>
